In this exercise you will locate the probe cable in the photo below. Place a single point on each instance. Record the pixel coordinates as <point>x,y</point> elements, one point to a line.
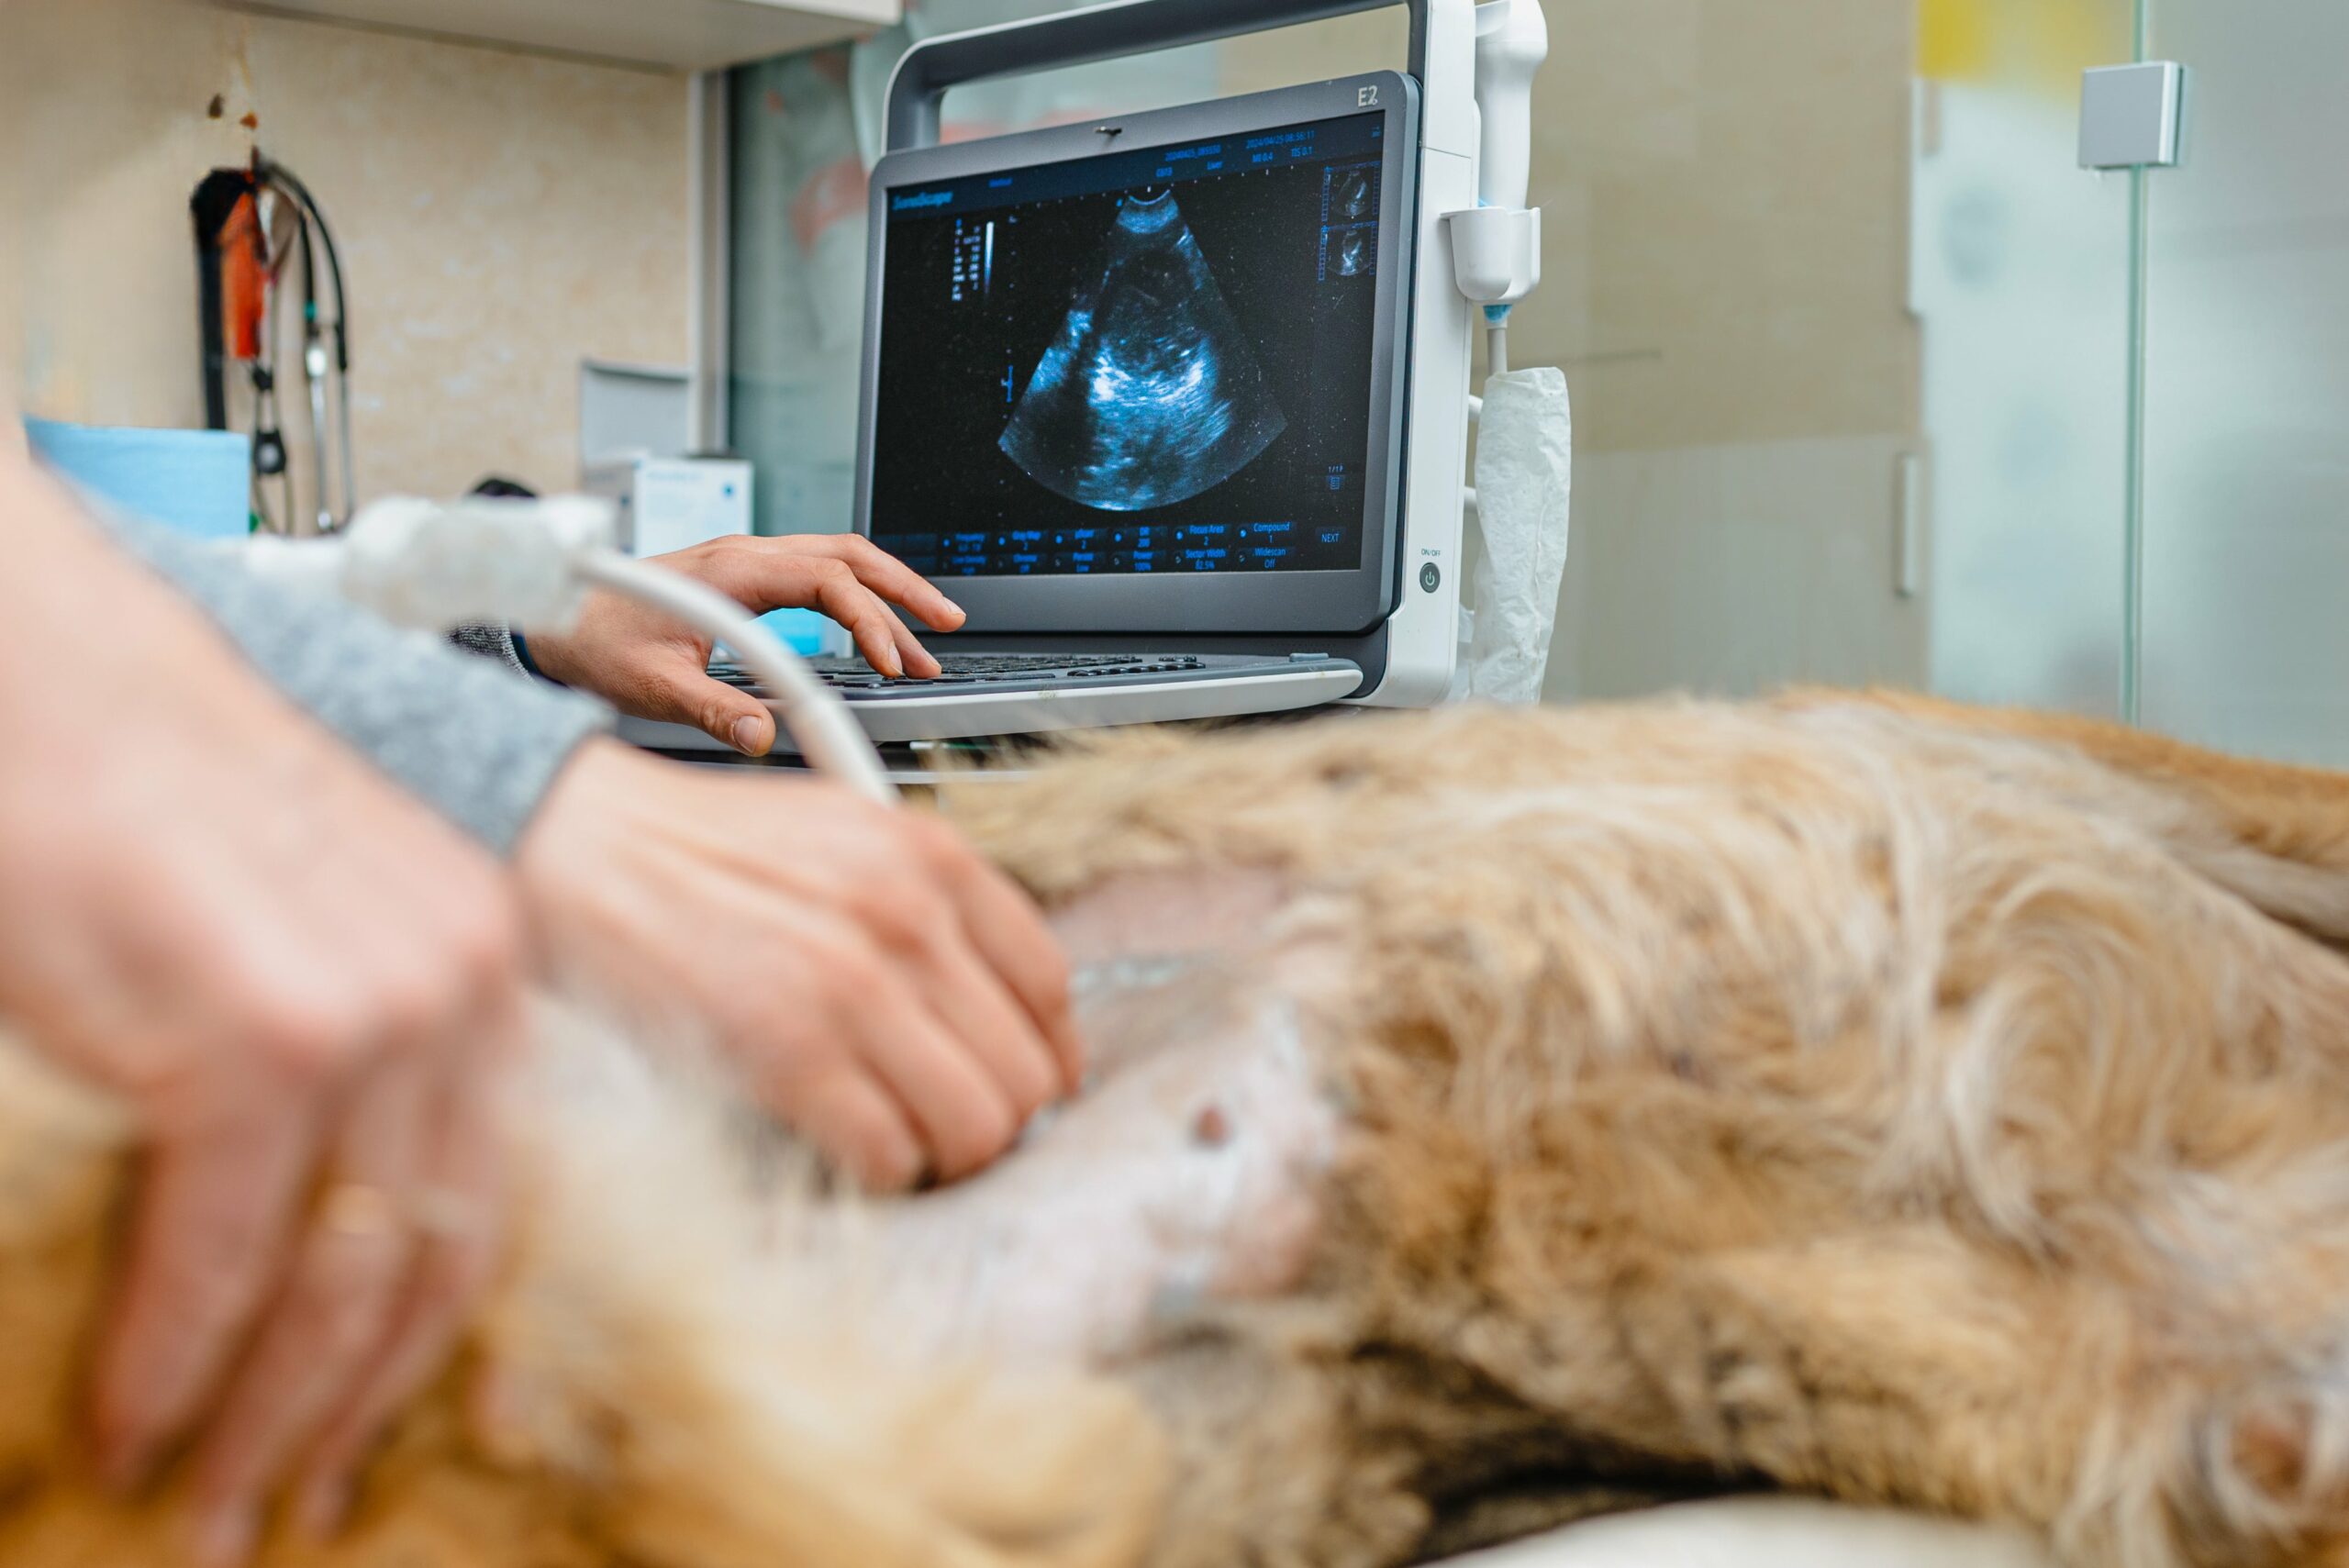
<point>817,722</point>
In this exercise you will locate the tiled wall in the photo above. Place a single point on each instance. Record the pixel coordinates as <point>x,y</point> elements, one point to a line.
<point>501,215</point>
<point>1734,569</point>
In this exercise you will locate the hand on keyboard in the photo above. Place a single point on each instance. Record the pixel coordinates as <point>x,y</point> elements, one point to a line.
<point>650,667</point>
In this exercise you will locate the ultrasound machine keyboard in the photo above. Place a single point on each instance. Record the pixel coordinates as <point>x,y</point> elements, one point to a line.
<point>1026,694</point>
<point>1011,672</point>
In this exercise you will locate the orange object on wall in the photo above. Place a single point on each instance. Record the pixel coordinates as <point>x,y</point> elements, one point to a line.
<point>244,278</point>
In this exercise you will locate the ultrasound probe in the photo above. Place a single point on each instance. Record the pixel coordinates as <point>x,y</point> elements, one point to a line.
<point>498,560</point>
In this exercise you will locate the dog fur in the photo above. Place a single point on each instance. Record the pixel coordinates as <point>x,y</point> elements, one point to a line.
<point>645,1389</point>
<point>1858,1096</point>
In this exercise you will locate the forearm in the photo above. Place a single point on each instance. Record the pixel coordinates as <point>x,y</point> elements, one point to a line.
<point>62,580</point>
<point>477,744</point>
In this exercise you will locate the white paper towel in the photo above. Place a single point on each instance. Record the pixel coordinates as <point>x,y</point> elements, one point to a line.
<point>1525,462</point>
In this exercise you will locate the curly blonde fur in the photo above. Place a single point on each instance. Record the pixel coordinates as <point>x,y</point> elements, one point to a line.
<point>1858,1096</point>
<point>1868,1097</point>
<point>668,1393</point>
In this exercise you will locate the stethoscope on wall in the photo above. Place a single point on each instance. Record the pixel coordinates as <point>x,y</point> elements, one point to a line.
<point>251,225</point>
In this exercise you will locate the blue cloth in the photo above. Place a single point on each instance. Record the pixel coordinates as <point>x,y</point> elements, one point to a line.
<point>197,482</point>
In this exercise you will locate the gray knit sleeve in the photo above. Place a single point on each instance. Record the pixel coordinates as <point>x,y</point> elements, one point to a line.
<point>477,743</point>
<point>494,643</point>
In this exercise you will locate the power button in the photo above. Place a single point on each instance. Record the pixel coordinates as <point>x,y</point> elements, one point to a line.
<point>1431,577</point>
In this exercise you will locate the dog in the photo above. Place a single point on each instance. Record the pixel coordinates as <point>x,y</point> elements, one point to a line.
<point>1503,1116</point>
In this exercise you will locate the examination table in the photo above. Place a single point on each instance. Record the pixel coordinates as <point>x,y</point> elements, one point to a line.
<point>1769,1532</point>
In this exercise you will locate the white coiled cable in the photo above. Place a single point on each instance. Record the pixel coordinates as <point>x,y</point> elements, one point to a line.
<point>819,723</point>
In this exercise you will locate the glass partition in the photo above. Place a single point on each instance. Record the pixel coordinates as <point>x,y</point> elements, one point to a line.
<point>2020,275</point>
<point>2246,644</point>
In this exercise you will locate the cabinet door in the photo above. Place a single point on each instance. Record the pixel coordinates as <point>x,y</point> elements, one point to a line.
<point>2246,566</point>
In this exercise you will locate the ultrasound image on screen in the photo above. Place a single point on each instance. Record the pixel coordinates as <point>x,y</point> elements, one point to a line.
<point>1149,393</point>
<point>1150,361</point>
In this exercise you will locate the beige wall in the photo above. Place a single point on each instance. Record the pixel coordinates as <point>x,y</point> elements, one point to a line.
<point>1729,203</point>
<point>502,215</point>
<point>1727,191</point>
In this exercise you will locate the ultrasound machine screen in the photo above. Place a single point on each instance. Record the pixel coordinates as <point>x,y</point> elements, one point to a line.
<point>1151,361</point>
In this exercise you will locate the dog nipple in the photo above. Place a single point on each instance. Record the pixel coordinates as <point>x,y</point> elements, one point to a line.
<point>1211,1129</point>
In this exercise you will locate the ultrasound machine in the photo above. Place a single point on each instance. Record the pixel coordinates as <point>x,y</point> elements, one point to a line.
<point>1176,405</point>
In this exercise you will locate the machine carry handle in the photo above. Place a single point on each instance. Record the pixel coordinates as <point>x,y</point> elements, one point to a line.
<point>1096,33</point>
